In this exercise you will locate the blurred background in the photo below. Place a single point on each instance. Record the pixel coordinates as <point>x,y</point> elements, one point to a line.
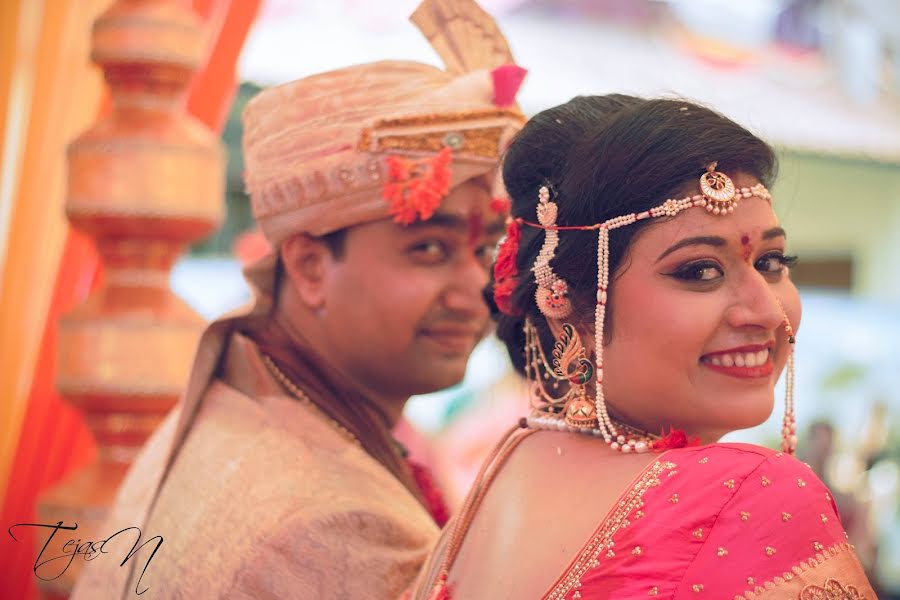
<point>819,79</point>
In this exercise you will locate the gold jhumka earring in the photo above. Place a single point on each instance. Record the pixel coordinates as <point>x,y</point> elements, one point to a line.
<point>570,366</point>
<point>719,196</point>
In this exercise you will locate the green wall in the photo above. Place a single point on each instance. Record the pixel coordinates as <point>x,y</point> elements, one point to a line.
<point>833,207</point>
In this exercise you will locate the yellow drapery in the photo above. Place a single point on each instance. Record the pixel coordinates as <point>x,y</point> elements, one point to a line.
<point>49,92</point>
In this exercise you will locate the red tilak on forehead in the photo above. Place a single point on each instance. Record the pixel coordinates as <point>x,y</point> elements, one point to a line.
<point>476,227</point>
<point>748,248</point>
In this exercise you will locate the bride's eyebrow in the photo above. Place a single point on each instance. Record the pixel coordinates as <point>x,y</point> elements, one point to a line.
<point>700,240</point>
<point>716,241</point>
<point>775,232</point>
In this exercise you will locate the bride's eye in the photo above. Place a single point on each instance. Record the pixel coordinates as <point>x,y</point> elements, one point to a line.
<point>702,270</point>
<point>774,262</point>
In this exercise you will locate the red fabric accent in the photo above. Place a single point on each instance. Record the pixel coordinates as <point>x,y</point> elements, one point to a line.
<point>53,439</point>
<point>434,499</point>
<point>505,270</point>
<point>507,81</point>
<point>676,438</point>
<point>440,591</point>
<point>416,187</point>
<point>213,87</point>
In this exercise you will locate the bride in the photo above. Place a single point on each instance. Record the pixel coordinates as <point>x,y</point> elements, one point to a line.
<point>643,290</point>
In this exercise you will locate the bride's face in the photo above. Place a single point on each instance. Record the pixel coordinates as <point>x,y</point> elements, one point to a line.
<point>698,338</point>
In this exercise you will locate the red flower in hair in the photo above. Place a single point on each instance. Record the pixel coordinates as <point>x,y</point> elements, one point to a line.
<point>505,270</point>
<point>500,205</point>
<point>417,187</point>
<point>503,296</point>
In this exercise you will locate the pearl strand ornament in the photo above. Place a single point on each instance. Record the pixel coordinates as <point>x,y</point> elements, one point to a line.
<point>719,196</point>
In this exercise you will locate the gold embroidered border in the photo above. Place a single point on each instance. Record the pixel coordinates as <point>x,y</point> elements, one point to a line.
<point>448,118</point>
<point>761,591</point>
<point>480,142</point>
<point>603,538</point>
<point>470,138</point>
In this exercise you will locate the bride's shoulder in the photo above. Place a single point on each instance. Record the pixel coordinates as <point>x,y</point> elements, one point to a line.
<point>731,465</point>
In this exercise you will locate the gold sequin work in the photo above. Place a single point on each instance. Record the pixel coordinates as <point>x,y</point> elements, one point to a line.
<point>697,587</point>
<point>730,484</point>
<point>721,552</point>
<point>766,482</point>
<point>703,460</point>
<point>833,590</point>
<point>654,591</point>
<point>770,551</point>
<point>698,533</point>
<point>785,516</point>
<point>801,483</point>
<point>603,537</point>
<point>745,516</point>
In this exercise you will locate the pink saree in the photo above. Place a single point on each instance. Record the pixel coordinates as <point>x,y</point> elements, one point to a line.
<point>723,521</point>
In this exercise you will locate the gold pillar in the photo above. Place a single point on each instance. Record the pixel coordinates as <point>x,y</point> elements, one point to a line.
<point>144,181</point>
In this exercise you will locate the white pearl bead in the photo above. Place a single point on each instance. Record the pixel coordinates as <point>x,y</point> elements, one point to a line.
<point>626,448</point>
<point>614,446</point>
<point>641,447</point>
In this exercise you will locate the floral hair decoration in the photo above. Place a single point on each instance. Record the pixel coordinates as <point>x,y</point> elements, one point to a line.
<point>505,270</point>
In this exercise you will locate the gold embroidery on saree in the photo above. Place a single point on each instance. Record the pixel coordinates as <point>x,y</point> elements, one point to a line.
<point>832,590</point>
<point>603,538</point>
<point>810,591</point>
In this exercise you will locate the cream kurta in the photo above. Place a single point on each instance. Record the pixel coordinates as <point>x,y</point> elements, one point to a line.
<point>265,499</point>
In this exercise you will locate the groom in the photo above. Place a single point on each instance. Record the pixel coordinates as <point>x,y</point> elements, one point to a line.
<point>277,475</point>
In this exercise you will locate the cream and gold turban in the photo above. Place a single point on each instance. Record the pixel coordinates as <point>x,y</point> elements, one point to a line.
<point>321,151</point>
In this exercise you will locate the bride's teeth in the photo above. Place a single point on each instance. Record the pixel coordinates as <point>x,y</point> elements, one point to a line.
<point>749,359</point>
<point>739,360</point>
<point>727,360</point>
<point>715,360</point>
<point>762,356</point>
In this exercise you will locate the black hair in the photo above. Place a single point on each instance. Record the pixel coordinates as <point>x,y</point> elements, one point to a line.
<point>606,156</point>
<point>336,242</point>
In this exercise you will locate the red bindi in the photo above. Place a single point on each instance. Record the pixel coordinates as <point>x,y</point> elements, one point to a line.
<point>748,249</point>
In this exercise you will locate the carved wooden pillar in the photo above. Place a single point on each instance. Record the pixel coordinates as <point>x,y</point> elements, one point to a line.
<point>144,181</point>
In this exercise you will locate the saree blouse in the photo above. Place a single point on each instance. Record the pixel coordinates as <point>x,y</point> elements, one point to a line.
<point>723,521</point>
